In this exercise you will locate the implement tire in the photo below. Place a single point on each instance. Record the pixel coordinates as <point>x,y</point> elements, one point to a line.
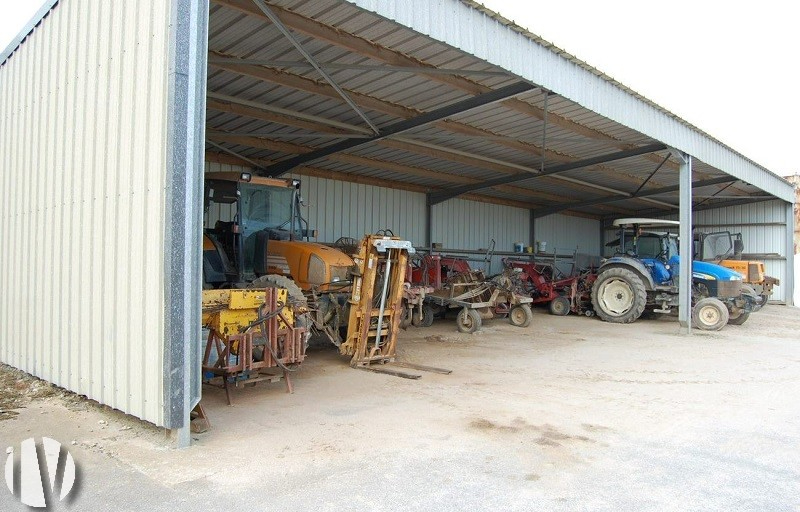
<point>521,315</point>
<point>618,295</point>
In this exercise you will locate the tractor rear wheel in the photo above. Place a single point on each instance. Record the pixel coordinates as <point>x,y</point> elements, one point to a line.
<point>710,314</point>
<point>559,306</point>
<point>468,320</point>
<point>278,281</point>
<point>520,315</point>
<point>618,295</point>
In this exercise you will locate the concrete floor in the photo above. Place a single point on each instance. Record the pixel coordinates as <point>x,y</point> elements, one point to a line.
<point>569,414</point>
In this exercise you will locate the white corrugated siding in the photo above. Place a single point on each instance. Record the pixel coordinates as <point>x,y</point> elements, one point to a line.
<point>82,177</point>
<point>565,234</point>
<point>462,224</point>
<point>763,229</point>
<point>337,208</point>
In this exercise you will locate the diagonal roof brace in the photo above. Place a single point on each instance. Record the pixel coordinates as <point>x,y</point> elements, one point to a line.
<point>541,212</point>
<point>403,126</point>
<point>285,31</point>
<point>457,191</point>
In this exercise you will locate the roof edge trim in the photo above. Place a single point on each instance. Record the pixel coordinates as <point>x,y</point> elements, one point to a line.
<point>37,18</point>
<point>487,36</point>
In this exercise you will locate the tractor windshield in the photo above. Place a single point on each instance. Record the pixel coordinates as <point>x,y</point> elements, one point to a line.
<point>717,246</point>
<point>265,207</point>
<point>652,246</point>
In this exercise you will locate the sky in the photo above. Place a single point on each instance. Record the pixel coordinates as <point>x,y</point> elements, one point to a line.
<point>731,68</point>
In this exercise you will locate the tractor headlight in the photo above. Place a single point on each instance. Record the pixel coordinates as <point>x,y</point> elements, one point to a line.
<point>706,277</point>
<point>316,270</point>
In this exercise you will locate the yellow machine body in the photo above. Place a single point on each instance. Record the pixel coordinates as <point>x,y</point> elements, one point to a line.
<point>232,311</point>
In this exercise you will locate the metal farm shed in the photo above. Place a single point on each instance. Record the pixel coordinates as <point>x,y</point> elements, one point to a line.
<point>440,120</point>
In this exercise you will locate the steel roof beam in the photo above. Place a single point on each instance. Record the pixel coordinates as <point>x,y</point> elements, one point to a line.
<point>286,32</point>
<point>712,206</point>
<point>370,163</point>
<point>234,105</point>
<point>403,126</point>
<point>359,67</point>
<point>368,180</point>
<point>439,197</point>
<point>484,162</point>
<point>638,195</point>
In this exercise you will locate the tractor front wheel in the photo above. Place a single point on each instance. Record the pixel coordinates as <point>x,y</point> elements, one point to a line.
<point>710,314</point>
<point>618,295</point>
<point>468,320</point>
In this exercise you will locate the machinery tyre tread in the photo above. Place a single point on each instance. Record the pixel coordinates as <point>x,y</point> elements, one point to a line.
<point>427,315</point>
<point>279,281</point>
<point>739,320</point>
<point>708,319</point>
<point>521,315</point>
<point>560,306</point>
<point>633,281</point>
<point>468,320</point>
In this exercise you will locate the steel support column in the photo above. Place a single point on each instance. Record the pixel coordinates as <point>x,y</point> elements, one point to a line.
<point>183,261</point>
<point>789,281</point>
<point>428,225</point>
<point>685,233</point>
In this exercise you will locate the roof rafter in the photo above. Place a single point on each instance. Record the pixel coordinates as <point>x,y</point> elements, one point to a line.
<point>313,87</point>
<point>443,196</point>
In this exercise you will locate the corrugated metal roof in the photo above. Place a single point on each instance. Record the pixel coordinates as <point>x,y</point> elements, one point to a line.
<point>396,72</point>
<point>398,60</point>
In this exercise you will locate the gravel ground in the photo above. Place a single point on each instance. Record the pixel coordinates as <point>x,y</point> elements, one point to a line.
<point>569,414</point>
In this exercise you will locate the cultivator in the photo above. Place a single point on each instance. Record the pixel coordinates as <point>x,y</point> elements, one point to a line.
<point>563,294</point>
<point>479,299</point>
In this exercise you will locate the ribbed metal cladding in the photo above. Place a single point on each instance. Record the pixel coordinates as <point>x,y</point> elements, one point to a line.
<point>763,227</point>
<point>82,175</point>
<point>564,234</point>
<point>462,224</point>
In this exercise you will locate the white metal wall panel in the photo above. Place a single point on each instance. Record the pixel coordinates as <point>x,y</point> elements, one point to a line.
<point>763,229</point>
<point>565,234</point>
<point>82,177</point>
<point>338,208</point>
<point>462,224</point>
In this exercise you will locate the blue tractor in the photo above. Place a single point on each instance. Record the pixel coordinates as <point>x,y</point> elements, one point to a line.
<point>642,278</point>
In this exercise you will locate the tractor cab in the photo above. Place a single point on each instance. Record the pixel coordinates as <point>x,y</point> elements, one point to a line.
<point>656,250</point>
<point>253,228</point>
